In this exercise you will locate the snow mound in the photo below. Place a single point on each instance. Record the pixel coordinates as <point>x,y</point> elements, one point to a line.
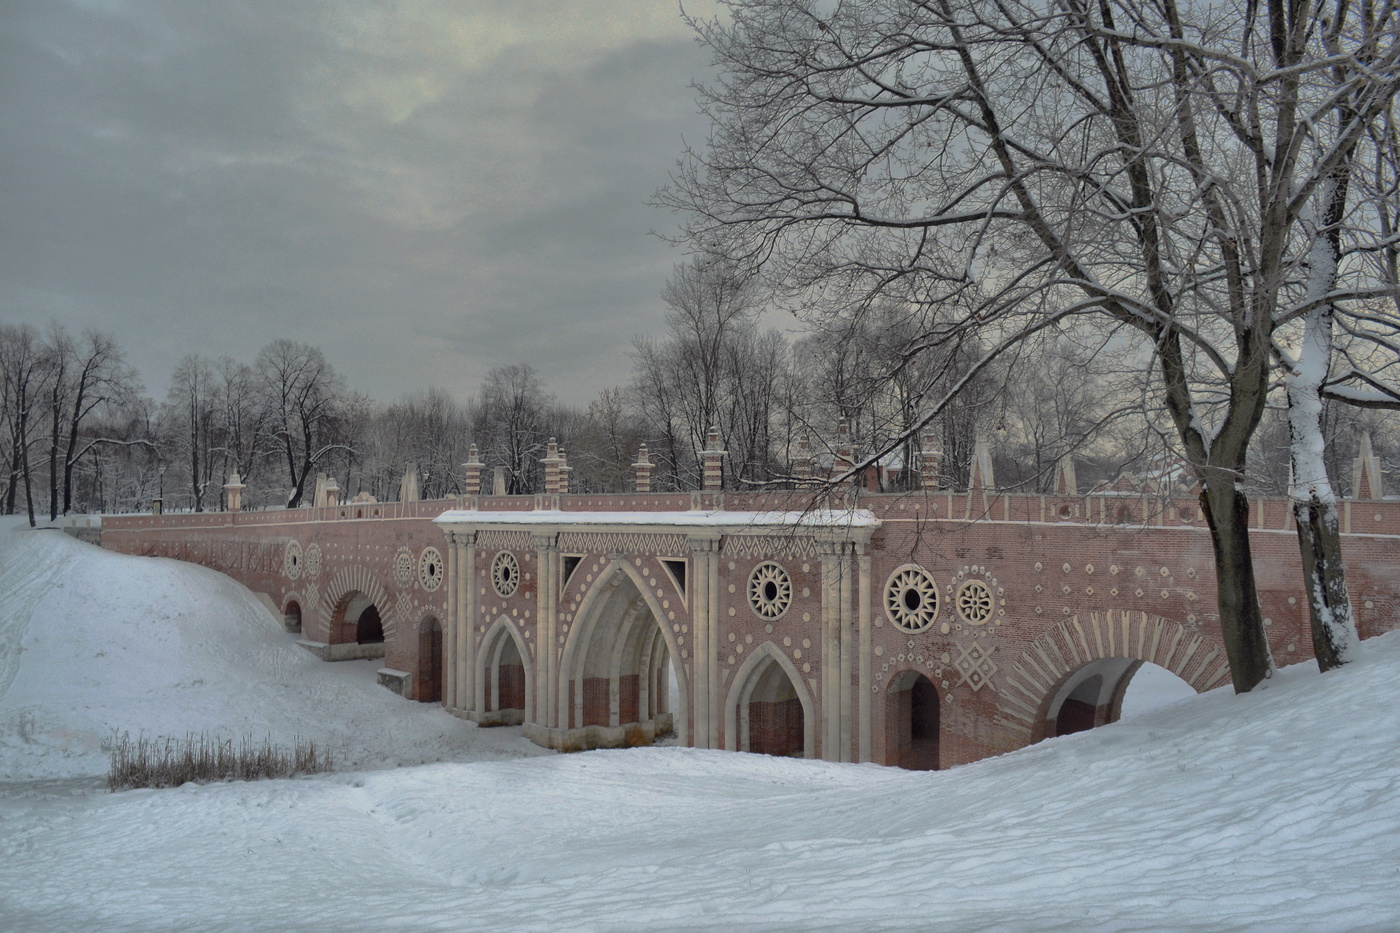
<point>93,642</point>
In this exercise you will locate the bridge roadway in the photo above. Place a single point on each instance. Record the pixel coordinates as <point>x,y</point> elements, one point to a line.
<point>922,630</point>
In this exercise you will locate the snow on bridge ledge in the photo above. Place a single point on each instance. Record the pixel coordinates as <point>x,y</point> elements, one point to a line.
<point>713,518</point>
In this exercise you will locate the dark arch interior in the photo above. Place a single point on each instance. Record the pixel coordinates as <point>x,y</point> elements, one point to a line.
<point>1077,712</point>
<point>369,629</point>
<point>915,721</point>
<point>776,723</point>
<point>291,618</point>
<point>429,687</point>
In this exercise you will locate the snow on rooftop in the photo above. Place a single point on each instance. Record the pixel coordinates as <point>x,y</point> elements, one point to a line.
<point>1277,810</point>
<point>815,518</point>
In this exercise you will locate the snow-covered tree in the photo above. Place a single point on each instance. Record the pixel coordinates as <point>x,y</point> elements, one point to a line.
<point>1164,170</point>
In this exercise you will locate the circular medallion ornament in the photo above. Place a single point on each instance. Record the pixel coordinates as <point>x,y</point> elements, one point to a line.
<point>505,573</point>
<point>311,564</point>
<point>291,560</point>
<point>430,569</point>
<point>974,602</point>
<point>911,599</point>
<point>770,590</point>
<point>403,565</point>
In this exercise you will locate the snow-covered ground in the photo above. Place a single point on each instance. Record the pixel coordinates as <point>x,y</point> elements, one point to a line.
<point>1275,811</point>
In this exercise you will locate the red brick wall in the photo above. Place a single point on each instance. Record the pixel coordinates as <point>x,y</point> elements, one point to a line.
<point>597,709</point>
<point>512,686</point>
<point>629,699</point>
<point>776,728</point>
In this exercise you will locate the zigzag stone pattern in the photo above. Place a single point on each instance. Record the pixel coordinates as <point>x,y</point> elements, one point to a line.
<point>1111,634</point>
<point>604,542</point>
<point>497,540</point>
<point>762,546</point>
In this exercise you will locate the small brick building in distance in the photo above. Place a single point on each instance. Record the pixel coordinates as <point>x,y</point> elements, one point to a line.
<point>923,629</point>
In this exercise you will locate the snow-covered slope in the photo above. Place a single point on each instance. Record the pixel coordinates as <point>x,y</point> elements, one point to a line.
<point>1279,810</point>
<point>92,641</point>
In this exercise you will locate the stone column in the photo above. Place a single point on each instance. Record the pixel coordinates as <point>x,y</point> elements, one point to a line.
<point>845,453</point>
<point>832,553</point>
<point>928,462</point>
<point>450,627</point>
<point>467,690</point>
<point>704,602</point>
<point>473,468</point>
<point>802,466</point>
<point>546,626</point>
<point>643,468</point>
<point>713,458</point>
<point>233,492</point>
<point>863,676</point>
<point>552,468</point>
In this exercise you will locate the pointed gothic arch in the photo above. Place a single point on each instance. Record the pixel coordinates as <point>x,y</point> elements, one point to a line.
<point>505,689</point>
<point>616,661</point>
<point>756,673</point>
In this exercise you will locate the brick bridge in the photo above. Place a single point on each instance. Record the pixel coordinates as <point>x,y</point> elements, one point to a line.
<point>922,629</point>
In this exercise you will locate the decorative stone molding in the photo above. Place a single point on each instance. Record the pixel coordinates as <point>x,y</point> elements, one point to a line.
<point>1118,633</point>
<point>911,599</point>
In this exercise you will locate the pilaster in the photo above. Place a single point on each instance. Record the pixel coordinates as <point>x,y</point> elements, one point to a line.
<point>546,625</point>
<point>834,610</point>
<point>863,612</point>
<point>704,550</point>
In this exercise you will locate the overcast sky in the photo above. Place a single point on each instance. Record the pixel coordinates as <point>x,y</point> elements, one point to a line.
<point>423,189</point>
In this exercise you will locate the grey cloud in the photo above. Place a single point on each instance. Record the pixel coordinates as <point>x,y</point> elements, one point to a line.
<point>207,177</point>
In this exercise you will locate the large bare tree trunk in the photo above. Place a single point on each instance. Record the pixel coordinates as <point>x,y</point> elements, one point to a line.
<point>1241,622</point>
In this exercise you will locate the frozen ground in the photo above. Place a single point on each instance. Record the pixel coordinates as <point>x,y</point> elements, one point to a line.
<point>1275,811</point>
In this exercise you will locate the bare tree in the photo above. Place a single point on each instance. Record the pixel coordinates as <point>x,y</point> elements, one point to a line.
<point>25,367</point>
<point>713,369</point>
<point>1151,166</point>
<point>511,424</point>
<point>300,392</point>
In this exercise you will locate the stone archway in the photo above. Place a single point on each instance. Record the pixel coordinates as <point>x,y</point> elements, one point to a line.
<point>1087,661</point>
<point>767,710</point>
<point>357,628</point>
<point>913,722</point>
<point>615,668</point>
<point>427,682</point>
<point>505,677</point>
<point>291,617</point>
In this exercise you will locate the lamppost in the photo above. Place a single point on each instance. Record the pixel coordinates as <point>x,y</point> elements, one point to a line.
<point>158,506</point>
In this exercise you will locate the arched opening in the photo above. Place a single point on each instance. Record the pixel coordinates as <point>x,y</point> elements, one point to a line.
<point>913,722</point>
<point>1087,697</point>
<point>429,678</point>
<point>1078,711</point>
<point>1153,687</point>
<point>504,679</point>
<point>771,719</point>
<point>369,628</point>
<point>291,617</point>
<point>618,665</point>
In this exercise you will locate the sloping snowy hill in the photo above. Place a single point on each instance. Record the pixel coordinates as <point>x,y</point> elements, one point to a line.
<point>1275,811</point>
<point>92,641</point>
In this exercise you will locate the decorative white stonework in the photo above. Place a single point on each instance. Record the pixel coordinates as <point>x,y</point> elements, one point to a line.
<point>974,602</point>
<point>403,565</point>
<point>430,569</point>
<point>311,563</point>
<point>291,560</point>
<point>911,599</point>
<point>770,590</point>
<point>975,666</point>
<point>505,574</point>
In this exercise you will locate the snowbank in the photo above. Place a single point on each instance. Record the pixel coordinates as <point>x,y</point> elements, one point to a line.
<point>92,641</point>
